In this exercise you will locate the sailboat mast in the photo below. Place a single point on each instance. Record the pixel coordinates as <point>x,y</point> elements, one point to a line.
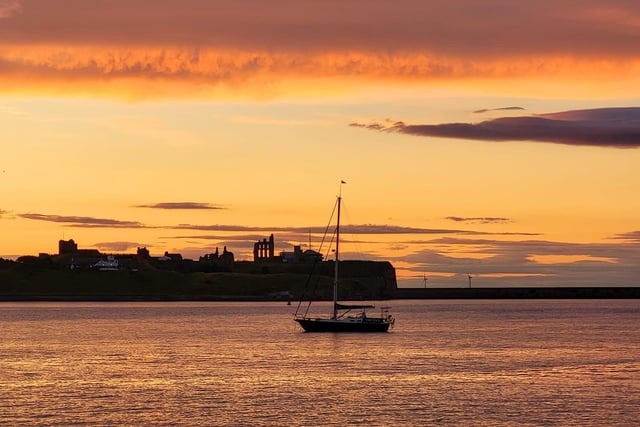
<point>335,273</point>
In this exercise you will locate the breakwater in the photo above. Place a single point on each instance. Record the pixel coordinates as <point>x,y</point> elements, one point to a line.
<point>577,292</point>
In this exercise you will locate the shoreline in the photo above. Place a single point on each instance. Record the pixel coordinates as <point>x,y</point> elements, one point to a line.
<point>399,294</point>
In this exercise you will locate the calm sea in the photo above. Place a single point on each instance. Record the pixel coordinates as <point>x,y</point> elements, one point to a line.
<point>520,363</point>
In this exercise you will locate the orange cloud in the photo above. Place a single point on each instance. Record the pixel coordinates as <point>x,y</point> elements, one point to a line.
<point>124,48</point>
<point>568,259</point>
<point>136,72</point>
<point>9,8</point>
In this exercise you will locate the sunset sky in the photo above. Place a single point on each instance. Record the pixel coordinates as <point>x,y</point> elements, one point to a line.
<point>496,138</point>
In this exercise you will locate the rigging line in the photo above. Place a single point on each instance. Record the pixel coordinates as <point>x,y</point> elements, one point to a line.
<point>315,263</point>
<point>317,277</point>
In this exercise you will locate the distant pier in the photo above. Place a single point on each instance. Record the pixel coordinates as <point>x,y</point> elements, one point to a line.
<point>519,293</point>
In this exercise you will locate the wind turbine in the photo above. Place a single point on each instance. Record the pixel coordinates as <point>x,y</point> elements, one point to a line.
<point>424,277</point>
<point>470,277</point>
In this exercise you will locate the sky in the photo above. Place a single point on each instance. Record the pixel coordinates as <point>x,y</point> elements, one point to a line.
<point>496,139</point>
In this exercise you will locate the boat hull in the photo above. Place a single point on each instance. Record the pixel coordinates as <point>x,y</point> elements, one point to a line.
<point>346,325</point>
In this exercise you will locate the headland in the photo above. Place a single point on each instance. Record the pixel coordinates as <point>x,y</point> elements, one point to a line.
<point>88,275</point>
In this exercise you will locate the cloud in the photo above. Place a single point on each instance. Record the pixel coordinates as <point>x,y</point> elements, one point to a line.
<point>9,8</point>
<point>524,263</point>
<point>463,28</point>
<point>631,236</point>
<point>118,246</point>
<point>486,110</point>
<point>616,255</point>
<point>368,229</point>
<point>180,205</point>
<point>479,220</point>
<point>392,229</point>
<point>236,237</point>
<point>193,48</point>
<point>252,232</point>
<point>81,221</point>
<point>604,127</point>
<point>12,111</point>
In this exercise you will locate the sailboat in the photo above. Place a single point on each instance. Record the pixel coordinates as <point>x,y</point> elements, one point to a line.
<point>345,317</point>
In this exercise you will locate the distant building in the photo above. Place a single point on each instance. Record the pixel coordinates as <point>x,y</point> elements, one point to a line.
<point>67,247</point>
<point>300,256</point>
<point>109,264</point>
<point>71,257</point>
<point>227,259</point>
<point>218,261</point>
<point>211,257</point>
<point>170,257</point>
<point>264,250</point>
<point>143,253</point>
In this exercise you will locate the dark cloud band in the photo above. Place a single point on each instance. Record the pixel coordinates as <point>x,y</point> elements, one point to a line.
<point>83,221</point>
<point>180,205</point>
<point>605,127</point>
<point>487,110</point>
<point>481,220</point>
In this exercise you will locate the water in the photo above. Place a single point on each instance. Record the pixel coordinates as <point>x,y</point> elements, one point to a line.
<point>520,363</point>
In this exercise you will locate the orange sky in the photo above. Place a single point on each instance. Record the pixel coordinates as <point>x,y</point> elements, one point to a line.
<point>126,48</point>
<point>247,106</point>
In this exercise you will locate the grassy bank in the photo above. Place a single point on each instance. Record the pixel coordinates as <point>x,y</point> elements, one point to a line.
<point>260,284</point>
